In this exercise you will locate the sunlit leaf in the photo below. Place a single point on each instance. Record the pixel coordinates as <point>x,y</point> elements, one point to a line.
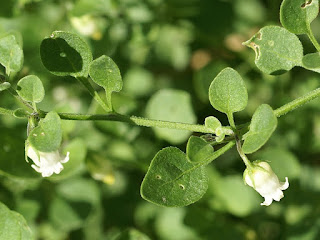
<point>30,89</point>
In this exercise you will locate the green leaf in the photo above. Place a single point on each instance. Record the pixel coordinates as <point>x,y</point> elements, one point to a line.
<point>311,62</point>
<point>105,72</point>
<point>4,86</point>
<point>212,122</point>
<point>198,149</point>
<point>21,113</point>
<point>13,225</point>
<point>277,50</point>
<point>262,125</point>
<point>46,137</point>
<point>30,89</point>
<point>66,54</point>
<point>227,92</point>
<point>172,180</point>
<point>11,54</point>
<point>296,15</point>
<point>171,105</point>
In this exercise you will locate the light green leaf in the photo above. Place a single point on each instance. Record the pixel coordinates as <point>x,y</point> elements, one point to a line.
<point>311,62</point>
<point>296,15</point>
<point>132,234</point>
<point>46,137</point>
<point>4,86</point>
<point>13,225</point>
<point>30,89</point>
<point>212,122</point>
<point>105,72</point>
<point>277,50</point>
<point>11,54</point>
<point>21,113</point>
<point>262,125</point>
<point>66,54</point>
<point>227,92</point>
<point>171,105</point>
<point>172,180</point>
<point>198,149</point>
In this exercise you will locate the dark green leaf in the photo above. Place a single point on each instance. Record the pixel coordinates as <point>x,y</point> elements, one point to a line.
<point>172,180</point>
<point>262,125</point>
<point>296,15</point>
<point>227,92</point>
<point>66,54</point>
<point>46,137</point>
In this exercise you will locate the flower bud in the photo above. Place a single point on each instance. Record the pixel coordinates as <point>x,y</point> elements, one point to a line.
<point>261,177</point>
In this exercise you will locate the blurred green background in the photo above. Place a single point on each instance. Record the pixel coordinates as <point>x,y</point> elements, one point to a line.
<point>168,52</point>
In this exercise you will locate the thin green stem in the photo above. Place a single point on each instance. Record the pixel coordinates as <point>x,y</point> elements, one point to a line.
<point>231,121</point>
<point>94,93</point>
<point>313,39</point>
<point>242,155</point>
<point>297,103</point>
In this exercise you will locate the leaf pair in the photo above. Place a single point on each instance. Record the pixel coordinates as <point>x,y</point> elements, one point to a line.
<point>66,54</point>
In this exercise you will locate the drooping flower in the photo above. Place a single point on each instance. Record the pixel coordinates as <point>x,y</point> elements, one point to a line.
<point>261,177</point>
<point>46,163</point>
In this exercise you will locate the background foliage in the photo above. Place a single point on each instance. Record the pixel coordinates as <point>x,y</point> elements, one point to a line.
<point>168,52</point>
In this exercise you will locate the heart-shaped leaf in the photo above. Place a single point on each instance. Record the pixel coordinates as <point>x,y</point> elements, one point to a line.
<point>172,180</point>
<point>46,137</point>
<point>66,54</point>
<point>262,125</point>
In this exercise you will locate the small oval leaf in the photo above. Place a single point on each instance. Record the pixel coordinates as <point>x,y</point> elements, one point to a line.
<point>66,54</point>
<point>262,125</point>
<point>296,15</point>
<point>227,92</point>
<point>277,50</point>
<point>46,137</point>
<point>4,86</point>
<point>30,89</point>
<point>172,180</point>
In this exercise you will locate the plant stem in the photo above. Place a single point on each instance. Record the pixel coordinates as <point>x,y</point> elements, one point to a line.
<point>231,121</point>
<point>85,82</point>
<point>242,155</point>
<point>313,39</point>
<point>297,103</point>
<point>135,121</point>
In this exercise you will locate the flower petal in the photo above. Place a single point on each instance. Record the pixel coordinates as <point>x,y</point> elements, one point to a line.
<point>284,185</point>
<point>267,201</point>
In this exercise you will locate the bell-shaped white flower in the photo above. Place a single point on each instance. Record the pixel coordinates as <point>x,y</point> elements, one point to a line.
<point>261,177</point>
<point>46,163</point>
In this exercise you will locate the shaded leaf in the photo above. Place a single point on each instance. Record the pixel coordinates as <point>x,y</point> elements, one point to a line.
<point>66,54</point>
<point>198,149</point>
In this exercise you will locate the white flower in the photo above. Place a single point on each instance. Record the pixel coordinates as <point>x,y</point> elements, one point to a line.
<point>265,181</point>
<point>46,163</point>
